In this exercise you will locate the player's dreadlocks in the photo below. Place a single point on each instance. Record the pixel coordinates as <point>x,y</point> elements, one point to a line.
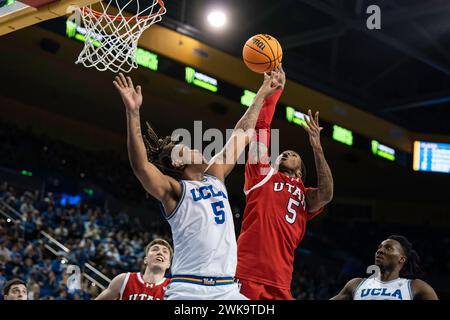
<point>159,151</point>
<point>411,268</point>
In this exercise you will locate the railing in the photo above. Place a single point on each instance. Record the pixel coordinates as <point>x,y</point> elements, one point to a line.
<point>55,247</point>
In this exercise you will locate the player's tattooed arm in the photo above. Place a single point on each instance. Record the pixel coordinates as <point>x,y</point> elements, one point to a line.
<point>348,291</point>
<point>224,161</point>
<point>160,186</point>
<point>113,290</point>
<point>423,291</point>
<point>323,194</point>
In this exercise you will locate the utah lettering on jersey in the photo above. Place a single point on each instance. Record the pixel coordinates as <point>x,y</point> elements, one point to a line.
<point>141,296</point>
<point>294,190</point>
<point>206,192</point>
<point>381,292</point>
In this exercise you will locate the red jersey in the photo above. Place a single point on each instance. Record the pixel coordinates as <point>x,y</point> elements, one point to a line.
<point>135,288</point>
<point>275,217</point>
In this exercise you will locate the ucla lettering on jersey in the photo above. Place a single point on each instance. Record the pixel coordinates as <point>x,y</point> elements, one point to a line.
<point>203,230</point>
<point>206,192</point>
<point>375,289</point>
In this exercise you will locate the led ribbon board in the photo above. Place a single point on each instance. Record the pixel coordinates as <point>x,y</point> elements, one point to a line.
<point>247,98</point>
<point>26,173</point>
<point>200,80</point>
<point>147,59</point>
<point>383,151</point>
<point>89,191</point>
<point>143,57</point>
<point>78,32</point>
<point>431,156</point>
<point>342,135</point>
<point>294,116</point>
<point>6,2</point>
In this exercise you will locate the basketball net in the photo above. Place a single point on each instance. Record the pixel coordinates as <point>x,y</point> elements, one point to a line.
<point>111,39</point>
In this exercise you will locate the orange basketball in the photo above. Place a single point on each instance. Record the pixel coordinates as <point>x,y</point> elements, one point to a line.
<point>262,53</point>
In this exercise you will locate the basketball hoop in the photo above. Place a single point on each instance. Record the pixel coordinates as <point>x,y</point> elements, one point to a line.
<point>111,39</point>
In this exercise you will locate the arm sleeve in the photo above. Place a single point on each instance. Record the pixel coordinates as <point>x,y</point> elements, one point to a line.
<point>256,170</point>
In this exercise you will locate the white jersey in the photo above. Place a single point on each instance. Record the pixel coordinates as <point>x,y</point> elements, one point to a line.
<point>375,289</point>
<point>203,230</point>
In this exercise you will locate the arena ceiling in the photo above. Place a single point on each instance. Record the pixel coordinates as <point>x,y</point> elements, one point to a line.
<point>52,82</point>
<point>400,73</point>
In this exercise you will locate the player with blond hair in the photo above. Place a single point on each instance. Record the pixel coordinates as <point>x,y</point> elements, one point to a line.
<point>149,285</point>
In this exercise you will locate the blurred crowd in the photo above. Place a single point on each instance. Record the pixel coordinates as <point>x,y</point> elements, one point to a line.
<point>111,242</point>
<point>22,148</point>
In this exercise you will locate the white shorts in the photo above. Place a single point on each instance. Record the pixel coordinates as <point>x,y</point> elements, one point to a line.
<point>190,291</point>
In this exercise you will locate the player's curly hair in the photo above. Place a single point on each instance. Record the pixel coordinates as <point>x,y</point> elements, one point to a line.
<point>411,268</point>
<point>159,151</point>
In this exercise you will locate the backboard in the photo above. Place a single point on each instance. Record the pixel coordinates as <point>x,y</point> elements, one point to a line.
<point>16,14</point>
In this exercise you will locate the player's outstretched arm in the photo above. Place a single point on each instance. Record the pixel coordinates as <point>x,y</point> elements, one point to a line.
<point>160,186</point>
<point>259,146</point>
<point>113,290</point>
<point>348,290</point>
<point>222,164</point>
<point>423,291</point>
<point>319,197</point>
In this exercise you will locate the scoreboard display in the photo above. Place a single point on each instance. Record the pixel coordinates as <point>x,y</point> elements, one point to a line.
<point>431,156</point>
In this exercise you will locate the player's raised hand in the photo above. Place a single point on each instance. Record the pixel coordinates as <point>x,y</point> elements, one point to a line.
<point>312,128</point>
<point>131,96</point>
<point>281,76</point>
<point>273,81</point>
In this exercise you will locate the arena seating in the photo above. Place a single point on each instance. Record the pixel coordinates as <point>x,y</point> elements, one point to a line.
<point>112,240</point>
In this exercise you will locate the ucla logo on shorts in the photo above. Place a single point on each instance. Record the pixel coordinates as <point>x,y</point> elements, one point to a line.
<point>365,293</point>
<point>206,192</point>
<point>209,281</point>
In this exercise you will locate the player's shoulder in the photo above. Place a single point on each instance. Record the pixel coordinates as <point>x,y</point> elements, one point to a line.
<point>207,176</point>
<point>357,280</point>
<point>118,281</point>
<point>121,276</point>
<point>421,290</point>
<point>354,283</point>
<point>257,176</point>
<point>419,284</point>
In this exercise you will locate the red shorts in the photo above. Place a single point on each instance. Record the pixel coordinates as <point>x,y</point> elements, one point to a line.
<point>258,291</point>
